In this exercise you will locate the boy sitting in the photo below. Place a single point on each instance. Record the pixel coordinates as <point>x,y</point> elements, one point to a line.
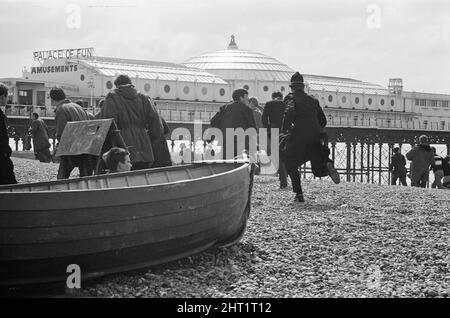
<point>117,160</point>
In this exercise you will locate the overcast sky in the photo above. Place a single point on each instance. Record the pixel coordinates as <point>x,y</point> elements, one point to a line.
<point>367,40</point>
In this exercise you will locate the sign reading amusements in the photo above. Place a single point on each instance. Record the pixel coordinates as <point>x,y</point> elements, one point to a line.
<point>63,54</point>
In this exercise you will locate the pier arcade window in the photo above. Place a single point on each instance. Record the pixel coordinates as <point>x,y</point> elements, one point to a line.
<point>357,100</point>
<point>109,85</point>
<point>167,88</point>
<point>222,91</point>
<point>147,87</point>
<point>204,91</point>
<point>382,102</point>
<point>40,98</point>
<point>330,98</point>
<point>421,102</point>
<point>186,90</point>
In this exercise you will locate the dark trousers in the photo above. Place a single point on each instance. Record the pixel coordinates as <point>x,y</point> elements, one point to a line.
<point>419,179</point>
<point>85,164</point>
<point>6,170</point>
<point>401,177</point>
<point>298,155</point>
<point>282,173</point>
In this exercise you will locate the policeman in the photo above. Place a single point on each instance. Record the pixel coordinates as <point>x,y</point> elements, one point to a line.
<point>303,136</point>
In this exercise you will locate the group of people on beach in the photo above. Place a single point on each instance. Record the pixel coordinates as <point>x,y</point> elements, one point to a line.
<point>298,119</point>
<point>424,159</point>
<point>142,129</point>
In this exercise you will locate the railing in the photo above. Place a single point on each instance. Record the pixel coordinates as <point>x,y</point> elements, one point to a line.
<point>205,116</point>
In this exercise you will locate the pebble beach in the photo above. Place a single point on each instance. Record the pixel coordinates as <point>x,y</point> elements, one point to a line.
<point>346,240</point>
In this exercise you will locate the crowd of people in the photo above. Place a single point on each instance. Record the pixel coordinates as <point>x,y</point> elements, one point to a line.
<point>301,124</point>
<point>298,118</point>
<point>423,159</point>
<point>143,130</point>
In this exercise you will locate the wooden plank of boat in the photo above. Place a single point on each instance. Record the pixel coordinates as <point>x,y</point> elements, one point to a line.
<point>122,221</point>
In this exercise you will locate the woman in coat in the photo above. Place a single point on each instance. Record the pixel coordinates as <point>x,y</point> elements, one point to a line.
<point>41,145</point>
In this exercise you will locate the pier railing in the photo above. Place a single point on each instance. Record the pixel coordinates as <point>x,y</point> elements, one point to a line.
<point>204,115</point>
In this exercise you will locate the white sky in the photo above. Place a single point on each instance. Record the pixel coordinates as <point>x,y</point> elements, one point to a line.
<point>324,37</point>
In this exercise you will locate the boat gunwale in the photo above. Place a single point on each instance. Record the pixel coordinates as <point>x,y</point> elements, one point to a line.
<point>243,165</point>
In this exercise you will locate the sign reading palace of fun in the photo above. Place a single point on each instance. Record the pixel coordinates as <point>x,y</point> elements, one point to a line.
<point>63,54</point>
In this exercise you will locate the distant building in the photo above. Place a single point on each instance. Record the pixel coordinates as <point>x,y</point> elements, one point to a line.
<point>196,88</point>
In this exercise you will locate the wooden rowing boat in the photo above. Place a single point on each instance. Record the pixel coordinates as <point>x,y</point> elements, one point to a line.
<point>118,222</point>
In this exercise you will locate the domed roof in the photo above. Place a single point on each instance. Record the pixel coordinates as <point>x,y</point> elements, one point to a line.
<point>233,63</point>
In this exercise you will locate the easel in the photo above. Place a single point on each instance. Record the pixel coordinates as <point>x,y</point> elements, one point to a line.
<point>91,137</point>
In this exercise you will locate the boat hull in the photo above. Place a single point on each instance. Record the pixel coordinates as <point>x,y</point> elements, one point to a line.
<point>113,230</point>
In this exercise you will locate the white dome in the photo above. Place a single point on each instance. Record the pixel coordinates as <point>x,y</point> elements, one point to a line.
<point>236,64</point>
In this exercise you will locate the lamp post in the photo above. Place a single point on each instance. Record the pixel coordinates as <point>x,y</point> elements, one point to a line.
<point>91,86</point>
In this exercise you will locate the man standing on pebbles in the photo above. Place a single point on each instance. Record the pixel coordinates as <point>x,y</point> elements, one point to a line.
<point>305,138</point>
<point>67,111</point>
<point>6,165</point>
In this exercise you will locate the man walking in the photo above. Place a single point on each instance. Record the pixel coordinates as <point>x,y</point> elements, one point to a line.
<point>6,165</point>
<point>304,123</point>
<point>272,117</point>
<point>67,111</point>
<point>41,145</point>
<point>397,167</point>
<point>137,119</point>
<point>438,170</point>
<point>237,115</point>
<point>421,157</point>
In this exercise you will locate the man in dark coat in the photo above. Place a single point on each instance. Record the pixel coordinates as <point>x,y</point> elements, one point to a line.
<point>304,121</point>
<point>41,145</point>
<point>161,149</point>
<point>237,115</point>
<point>137,119</point>
<point>272,117</point>
<point>6,165</point>
<point>67,111</point>
<point>421,157</point>
<point>397,167</point>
